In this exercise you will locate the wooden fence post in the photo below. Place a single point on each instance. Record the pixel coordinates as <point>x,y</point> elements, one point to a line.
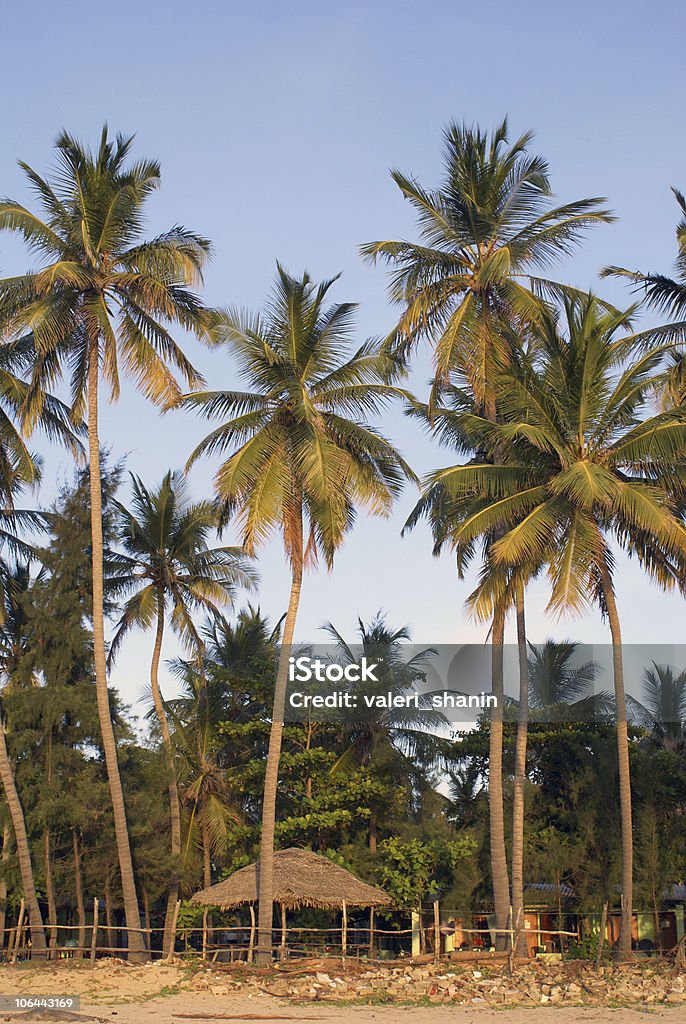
<point>344,931</point>
<point>437,932</point>
<point>94,932</point>
<point>251,945</point>
<point>282,950</point>
<point>17,937</point>
<point>371,933</point>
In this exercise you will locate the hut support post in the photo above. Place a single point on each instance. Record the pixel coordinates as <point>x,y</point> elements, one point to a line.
<point>282,950</point>
<point>437,932</point>
<point>251,946</point>
<point>94,932</point>
<point>204,933</point>
<point>371,933</point>
<point>344,932</point>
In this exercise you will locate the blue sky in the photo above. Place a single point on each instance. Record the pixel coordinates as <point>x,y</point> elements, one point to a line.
<point>276,125</point>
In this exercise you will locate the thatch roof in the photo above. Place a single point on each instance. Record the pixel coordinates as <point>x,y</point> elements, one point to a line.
<point>301,879</point>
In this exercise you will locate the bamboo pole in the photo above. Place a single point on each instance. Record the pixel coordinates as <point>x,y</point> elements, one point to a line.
<point>204,933</point>
<point>17,937</point>
<point>251,947</point>
<point>94,932</point>
<point>282,951</point>
<point>371,933</point>
<point>437,932</point>
<point>344,936</point>
<point>172,937</point>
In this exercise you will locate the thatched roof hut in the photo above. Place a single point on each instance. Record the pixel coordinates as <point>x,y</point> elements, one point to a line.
<point>301,879</point>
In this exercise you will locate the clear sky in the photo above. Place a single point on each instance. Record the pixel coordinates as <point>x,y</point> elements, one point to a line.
<point>276,125</point>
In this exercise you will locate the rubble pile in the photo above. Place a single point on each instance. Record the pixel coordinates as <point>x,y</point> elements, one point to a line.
<point>532,984</point>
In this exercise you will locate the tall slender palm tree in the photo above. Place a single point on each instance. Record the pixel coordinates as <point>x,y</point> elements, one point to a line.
<point>100,297</point>
<point>168,567</point>
<point>301,460</point>
<point>485,233</point>
<point>14,639</point>
<point>592,467</point>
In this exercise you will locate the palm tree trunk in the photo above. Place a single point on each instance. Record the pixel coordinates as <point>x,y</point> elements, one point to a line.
<point>174,809</point>
<point>623,765</point>
<point>496,812</point>
<point>50,894</point>
<point>206,859</point>
<point>78,887</point>
<point>520,781</point>
<point>135,940</point>
<point>3,883</point>
<point>266,882</point>
<point>373,830</point>
<point>38,948</point>
<point>108,913</point>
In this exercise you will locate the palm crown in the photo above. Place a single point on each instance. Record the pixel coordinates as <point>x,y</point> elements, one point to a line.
<point>100,292</point>
<point>302,456</point>
<point>485,233</point>
<point>585,464</point>
<point>168,560</point>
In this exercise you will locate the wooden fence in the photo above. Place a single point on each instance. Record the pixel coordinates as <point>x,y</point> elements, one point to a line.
<point>239,942</point>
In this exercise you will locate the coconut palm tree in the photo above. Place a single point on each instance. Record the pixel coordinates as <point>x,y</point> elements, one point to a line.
<point>167,567</point>
<point>591,468</point>
<point>468,287</point>
<point>485,233</point>
<point>101,297</point>
<point>559,685</point>
<point>662,710</point>
<point>301,460</point>
<point>222,690</point>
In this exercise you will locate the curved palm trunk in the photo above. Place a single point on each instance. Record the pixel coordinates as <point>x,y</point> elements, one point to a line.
<point>38,948</point>
<point>174,810</point>
<point>623,765</point>
<point>266,880</point>
<point>520,782</point>
<point>135,940</point>
<point>496,812</point>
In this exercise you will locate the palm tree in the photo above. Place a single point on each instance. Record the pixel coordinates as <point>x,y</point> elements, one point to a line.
<point>301,461</point>
<point>662,711</point>
<point>13,643</point>
<point>409,737</point>
<point>100,296</point>
<point>233,655</point>
<point>589,466</point>
<point>467,284</point>
<point>167,563</point>
<point>559,684</point>
<point>485,232</point>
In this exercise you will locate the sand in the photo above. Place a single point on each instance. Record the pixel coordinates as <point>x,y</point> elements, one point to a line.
<point>161,994</point>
